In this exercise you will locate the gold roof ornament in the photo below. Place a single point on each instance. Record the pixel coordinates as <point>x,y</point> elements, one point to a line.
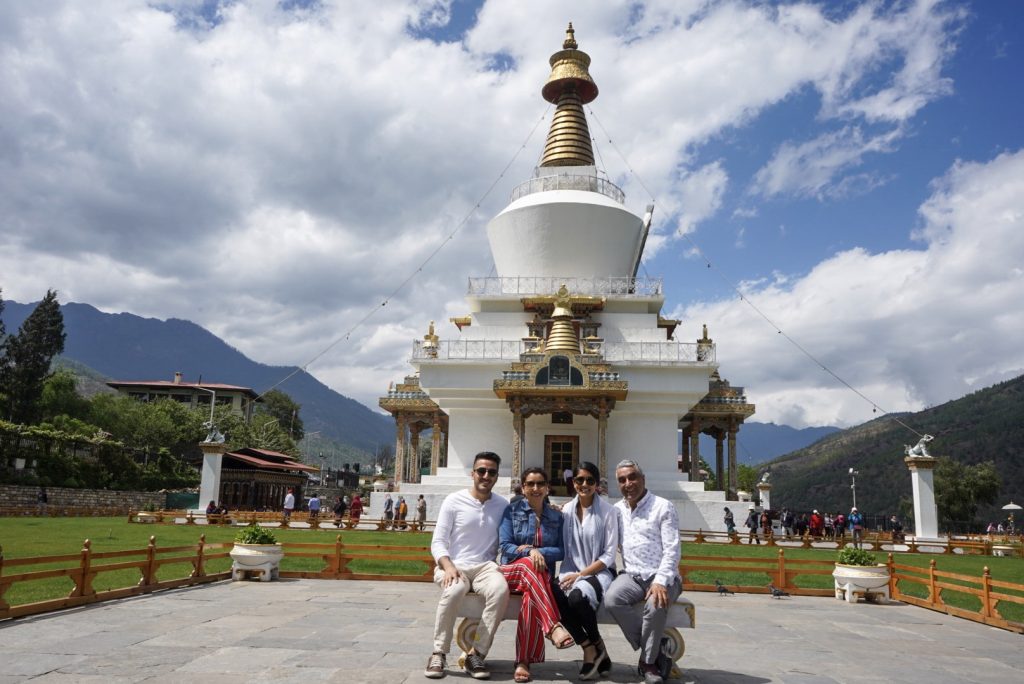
<point>563,337</point>
<point>430,339</point>
<point>569,87</point>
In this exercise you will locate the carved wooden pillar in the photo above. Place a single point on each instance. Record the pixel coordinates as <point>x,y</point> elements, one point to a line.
<point>444,449</point>
<point>695,450</point>
<point>719,469</point>
<point>414,452</point>
<point>684,462</point>
<point>435,443</point>
<point>602,440</point>
<point>518,440</point>
<point>399,449</point>
<point>733,475</point>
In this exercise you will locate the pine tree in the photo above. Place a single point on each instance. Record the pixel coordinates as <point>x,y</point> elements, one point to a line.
<point>25,359</point>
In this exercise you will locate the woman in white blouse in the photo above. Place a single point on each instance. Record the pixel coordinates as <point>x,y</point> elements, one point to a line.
<point>591,537</point>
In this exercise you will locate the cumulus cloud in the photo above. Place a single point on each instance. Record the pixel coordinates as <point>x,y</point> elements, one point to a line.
<point>272,170</point>
<point>908,328</point>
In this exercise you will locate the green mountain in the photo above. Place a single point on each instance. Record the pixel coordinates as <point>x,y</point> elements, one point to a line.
<point>987,425</point>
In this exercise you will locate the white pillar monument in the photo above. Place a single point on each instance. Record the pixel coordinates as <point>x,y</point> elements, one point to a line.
<point>926,515</point>
<point>209,486</point>
<point>765,491</point>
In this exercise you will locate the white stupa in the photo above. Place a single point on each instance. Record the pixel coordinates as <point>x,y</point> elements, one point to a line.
<point>564,355</point>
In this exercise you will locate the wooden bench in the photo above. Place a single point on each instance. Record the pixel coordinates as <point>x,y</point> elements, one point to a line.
<point>681,615</point>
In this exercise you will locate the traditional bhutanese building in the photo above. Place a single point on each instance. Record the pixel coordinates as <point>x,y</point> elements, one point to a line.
<point>563,355</point>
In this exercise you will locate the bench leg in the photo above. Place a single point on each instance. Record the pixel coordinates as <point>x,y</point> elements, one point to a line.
<point>676,647</point>
<point>465,637</point>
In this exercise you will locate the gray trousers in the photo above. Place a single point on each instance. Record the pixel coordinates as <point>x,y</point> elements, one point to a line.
<point>643,626</point>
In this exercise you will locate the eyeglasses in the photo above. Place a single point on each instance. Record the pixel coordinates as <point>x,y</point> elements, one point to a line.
<point>534,483</point>
<point>631,477</point>
<point>490,472</point>
<point>584,481</point>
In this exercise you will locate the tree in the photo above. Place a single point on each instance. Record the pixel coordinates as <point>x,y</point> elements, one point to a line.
<point>61,398</point>
<point>279,405</point>
<point>747,477</point>
<point>26,359</point>
<point>961,488</point>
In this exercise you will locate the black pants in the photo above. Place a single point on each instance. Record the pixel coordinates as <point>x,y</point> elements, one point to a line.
<point>578,617</point>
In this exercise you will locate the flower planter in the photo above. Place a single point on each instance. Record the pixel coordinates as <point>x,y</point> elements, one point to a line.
<point>145,517</point>
<point>868,580</point>
<point>252,558</point>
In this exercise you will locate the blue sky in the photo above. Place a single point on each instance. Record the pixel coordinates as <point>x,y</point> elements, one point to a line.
<point>269,169</point>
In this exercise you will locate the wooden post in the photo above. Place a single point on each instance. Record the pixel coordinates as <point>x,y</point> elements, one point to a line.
<point>933,594</point>
<point>199,567</point>
<point>149,572</point>
<point>4,586</point>
<point>892,577</point>
<point>83,584</point>
<point>782,569</point>
<point>986,593</point>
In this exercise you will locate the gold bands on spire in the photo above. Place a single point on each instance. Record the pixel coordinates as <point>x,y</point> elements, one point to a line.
<point>568,142</point>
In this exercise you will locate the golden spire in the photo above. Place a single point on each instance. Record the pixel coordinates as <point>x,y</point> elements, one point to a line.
<point>569,87</point>
<point>563,336</point>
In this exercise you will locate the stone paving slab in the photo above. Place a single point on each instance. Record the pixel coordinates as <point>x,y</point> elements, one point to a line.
<point>380,633</point>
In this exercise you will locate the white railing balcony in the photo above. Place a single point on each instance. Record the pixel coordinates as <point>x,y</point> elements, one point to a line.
<point>567,181</point>
<point>647,353</point>
<point>619,286</point>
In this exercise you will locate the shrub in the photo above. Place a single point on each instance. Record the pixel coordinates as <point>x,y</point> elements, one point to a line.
<point>254,534</point>
<point>852,556</point>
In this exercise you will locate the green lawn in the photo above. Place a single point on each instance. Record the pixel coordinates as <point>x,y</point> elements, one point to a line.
<point>33,537</point>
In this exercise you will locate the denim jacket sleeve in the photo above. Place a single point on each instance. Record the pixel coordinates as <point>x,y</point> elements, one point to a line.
<point>551,535</point>
<point>506,538</point>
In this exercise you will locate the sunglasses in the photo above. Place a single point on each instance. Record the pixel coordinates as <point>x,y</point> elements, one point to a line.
<point>490,472</point>
<point>631,477</point>
<point>584,481</point>
<point>534,483</point>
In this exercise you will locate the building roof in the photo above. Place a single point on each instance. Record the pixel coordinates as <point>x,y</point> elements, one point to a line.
<point>169,384</point>
<point>270,460</point>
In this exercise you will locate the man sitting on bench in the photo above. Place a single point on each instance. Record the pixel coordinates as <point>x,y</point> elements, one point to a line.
<point>465,545</point>
<point>649,536</point>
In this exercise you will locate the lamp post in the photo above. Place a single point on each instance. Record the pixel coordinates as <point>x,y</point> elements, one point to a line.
<point>853,484</point>
<point>213,403</point>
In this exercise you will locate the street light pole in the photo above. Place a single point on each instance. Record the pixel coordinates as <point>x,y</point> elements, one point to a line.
<point>853,484</point>
<point>213,401</point>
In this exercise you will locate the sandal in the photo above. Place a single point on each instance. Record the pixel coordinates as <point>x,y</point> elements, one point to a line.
<point>522,674</point>
<point>592,670</point>
<point>560,637</point>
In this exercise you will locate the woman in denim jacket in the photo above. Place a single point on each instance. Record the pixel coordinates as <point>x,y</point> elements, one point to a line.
<point>530,540</point>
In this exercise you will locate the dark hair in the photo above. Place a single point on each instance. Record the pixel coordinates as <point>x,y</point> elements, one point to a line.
<point>535,471</point>
<point>487,456</point>
<point>590,468</point>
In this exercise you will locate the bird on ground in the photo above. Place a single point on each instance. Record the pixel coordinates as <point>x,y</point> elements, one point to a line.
<point>722,589</point>
<point>776,592</point>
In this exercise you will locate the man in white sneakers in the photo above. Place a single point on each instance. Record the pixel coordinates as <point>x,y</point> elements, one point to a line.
<point>649,537</point>
<point>465,547</point>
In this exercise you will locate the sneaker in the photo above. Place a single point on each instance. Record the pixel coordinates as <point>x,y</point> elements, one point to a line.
<point>476,668</point>
<point>650,674</point>
<point>435,666</point>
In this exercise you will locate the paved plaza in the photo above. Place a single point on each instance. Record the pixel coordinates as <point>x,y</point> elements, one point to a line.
<point>344,631</point>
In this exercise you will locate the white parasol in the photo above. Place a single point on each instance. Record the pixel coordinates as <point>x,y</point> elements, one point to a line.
<point>1012,507</point>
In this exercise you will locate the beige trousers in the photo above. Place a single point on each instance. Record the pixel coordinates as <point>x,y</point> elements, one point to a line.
<point>487,581</point>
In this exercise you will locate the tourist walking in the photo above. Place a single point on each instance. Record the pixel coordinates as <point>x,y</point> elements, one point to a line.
<point>840,524</point>
<point>289,504</point>
<point>730,522</point>
<point>389,509</point>
<point>403,512</point>
<point>421,511</point>
<point>464,546</point>
<point>856,523</point>
<point>649,540</point>
<point>752,524</point>
<point>567,478</point>
<point>314,507</point>
<point>339,511</point>
<point>355,510</point>
<point>590,535</point>
<point>531,544</point>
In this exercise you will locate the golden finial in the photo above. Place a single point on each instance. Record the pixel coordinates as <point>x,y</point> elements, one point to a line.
<point>570,38</point>
<point>430,339</point>
<point>569,87</point>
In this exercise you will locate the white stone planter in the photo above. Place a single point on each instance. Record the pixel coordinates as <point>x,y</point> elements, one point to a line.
<point>861,579</point>
<point>262,558</point>
<point>145,518</point>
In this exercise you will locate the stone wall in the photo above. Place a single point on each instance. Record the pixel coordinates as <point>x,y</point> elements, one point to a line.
<point>18,496</point>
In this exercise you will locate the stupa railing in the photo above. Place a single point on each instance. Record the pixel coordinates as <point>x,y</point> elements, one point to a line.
<point>568,181</point>
<point>619,286</point>
<point>654,353</point>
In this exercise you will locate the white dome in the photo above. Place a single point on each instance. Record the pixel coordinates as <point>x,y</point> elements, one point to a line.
<point>565,233</point>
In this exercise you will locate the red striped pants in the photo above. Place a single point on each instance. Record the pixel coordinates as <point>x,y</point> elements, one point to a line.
<point>538,614</point>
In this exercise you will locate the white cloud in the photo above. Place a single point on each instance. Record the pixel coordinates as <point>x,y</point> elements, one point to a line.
<point>909,328</point>
<point>272,174</point>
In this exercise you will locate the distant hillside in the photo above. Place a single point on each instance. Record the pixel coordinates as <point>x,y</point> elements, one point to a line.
<point>987,425</point>
<point>128,347</point>
<point>760,442</point>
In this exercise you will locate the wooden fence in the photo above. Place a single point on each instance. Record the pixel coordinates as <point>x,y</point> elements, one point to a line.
<point>52,511</point>
<point>918,586</point>
<point>276,520</point>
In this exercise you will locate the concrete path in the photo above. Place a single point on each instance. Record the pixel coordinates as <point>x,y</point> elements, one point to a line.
<point>335,631</point>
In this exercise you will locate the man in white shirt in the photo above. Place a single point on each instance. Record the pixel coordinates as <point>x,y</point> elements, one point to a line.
<point>649,538</point>
<point>465,547</point>
<point>289,504</point>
